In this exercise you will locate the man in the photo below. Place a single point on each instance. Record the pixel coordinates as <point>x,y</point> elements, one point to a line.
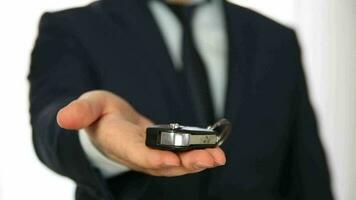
<point>101,74</point>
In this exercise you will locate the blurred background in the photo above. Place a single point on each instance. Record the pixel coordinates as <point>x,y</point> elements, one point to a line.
<point>326,30</point>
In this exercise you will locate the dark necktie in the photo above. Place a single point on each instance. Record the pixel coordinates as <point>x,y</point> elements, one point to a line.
<point>193,67</point>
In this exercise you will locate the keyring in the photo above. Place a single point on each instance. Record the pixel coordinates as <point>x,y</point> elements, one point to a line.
<point>224,127</point>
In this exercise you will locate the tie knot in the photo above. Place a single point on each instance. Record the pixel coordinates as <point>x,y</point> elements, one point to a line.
<point>184,13</point>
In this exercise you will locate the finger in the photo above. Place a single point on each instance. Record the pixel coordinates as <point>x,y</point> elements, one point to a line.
<point>172,171</point>
<point>218,155</point>
<point>157,159</point>
<point>148,158</point>
<point>80,113</point>
<point>197,159</point>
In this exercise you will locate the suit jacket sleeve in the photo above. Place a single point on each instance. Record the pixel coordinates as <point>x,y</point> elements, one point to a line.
<point>309,176</point>
<point>59,73</point>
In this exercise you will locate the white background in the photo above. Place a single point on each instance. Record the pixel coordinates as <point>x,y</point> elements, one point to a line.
<point>326,28</point>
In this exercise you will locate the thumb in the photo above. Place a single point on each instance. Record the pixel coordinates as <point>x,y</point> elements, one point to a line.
<point>81,112</point>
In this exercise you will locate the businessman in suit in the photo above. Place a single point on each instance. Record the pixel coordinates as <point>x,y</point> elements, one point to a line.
<point>102,73</point>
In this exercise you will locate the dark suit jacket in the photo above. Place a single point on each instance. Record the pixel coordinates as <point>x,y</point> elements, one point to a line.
<point>273,152</point>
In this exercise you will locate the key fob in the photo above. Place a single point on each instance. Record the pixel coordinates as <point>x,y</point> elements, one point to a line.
<point>175,137</point>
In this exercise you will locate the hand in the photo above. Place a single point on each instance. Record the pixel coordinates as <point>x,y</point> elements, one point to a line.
<point>119,131</point>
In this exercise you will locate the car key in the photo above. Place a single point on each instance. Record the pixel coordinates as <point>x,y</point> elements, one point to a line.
<point>175,137</point>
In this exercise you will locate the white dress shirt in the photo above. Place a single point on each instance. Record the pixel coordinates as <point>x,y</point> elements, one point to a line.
<point>210,36</point>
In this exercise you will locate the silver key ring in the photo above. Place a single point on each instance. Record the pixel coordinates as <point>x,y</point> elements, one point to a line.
<point>225,126</point>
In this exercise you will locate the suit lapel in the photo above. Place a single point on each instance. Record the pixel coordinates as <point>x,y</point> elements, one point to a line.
<point>241,56</point>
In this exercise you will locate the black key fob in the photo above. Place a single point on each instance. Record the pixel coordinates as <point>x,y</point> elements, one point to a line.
<point>175,137</point>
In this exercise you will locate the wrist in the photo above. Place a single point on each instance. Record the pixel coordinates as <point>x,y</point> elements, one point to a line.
<point>98,159</point>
